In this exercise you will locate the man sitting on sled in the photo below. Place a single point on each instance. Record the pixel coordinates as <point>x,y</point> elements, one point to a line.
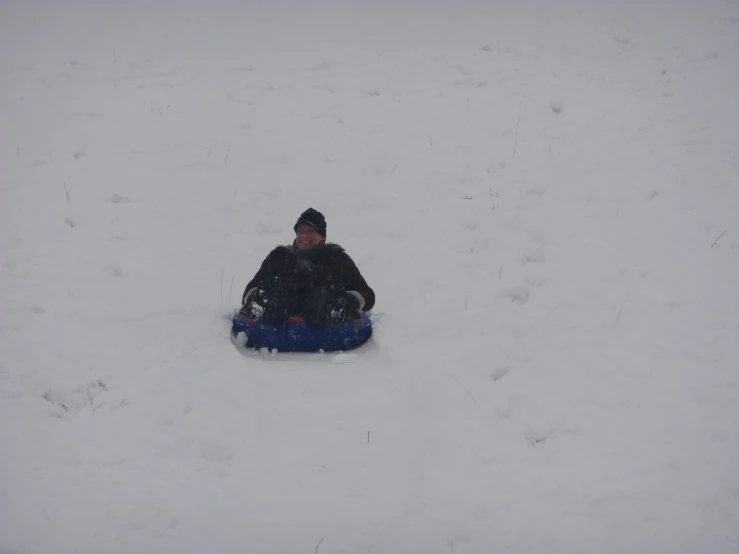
<point>310,278</point>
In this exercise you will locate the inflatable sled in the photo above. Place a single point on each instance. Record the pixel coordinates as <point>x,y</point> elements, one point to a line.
<point>295,335</point>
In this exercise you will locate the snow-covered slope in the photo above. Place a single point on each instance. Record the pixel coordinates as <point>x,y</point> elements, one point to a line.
<point>544,197</point>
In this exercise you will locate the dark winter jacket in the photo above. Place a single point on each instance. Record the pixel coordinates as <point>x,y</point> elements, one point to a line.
<point>301,270</point>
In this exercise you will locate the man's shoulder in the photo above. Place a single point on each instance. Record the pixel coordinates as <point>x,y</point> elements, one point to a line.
<point>279,252</point>
<point>337,253</point>
<point>329,249</point>
<point>333,248</point>
<point>283,248</point>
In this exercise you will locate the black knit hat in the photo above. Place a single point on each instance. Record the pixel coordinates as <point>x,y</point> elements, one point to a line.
<point>315,219</point>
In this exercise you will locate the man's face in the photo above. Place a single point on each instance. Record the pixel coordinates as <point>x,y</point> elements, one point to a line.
<point>307,237</point>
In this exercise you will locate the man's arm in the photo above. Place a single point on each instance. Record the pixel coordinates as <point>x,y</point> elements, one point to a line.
<point>355,283</point>
<point>254,283</point>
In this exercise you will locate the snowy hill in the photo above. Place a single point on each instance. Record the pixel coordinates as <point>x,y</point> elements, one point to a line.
<point>545,199</point>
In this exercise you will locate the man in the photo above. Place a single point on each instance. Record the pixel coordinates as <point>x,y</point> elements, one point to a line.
<point>310,278</point>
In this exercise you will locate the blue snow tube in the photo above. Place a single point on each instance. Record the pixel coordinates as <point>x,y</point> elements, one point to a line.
<point>295,335</point>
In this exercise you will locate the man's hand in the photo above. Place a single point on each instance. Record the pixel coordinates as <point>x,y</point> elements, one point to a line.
<point>355,300</point>
<point>248,295</point>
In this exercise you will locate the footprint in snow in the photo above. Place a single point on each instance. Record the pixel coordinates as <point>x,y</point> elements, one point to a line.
<point>534,280</point>
<point>218,453</point>
<point>498,373</point>
<point>533,257</point>
<point>536,191</point>
<point>118,199</point>
<point>535,438</point>
<point>113,271</point>
<point>518,295</point>
<point>71,401</point>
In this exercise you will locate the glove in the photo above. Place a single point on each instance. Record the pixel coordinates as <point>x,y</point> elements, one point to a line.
<point>248,296</point>
<point>354,300</point>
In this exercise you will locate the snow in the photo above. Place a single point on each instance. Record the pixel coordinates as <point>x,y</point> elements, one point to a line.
<point>544,196</point>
